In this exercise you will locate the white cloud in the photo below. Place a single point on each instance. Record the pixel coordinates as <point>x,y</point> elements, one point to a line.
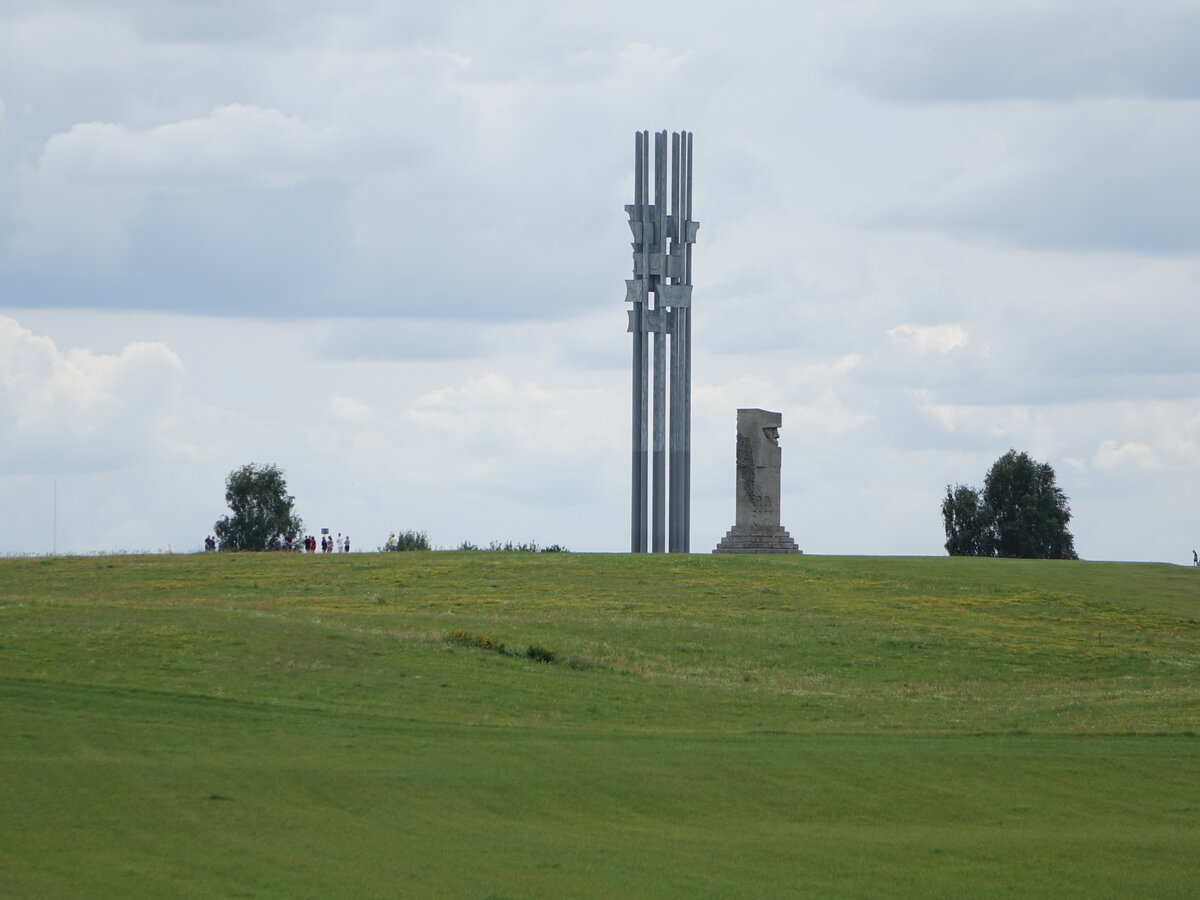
<point>81,410</point>
<point>1111,455</point>
<point>830,416</point>
<point>526,445</point>
<point>930,338</point>
<point>497,416</point>
<point>349,410</point>
<point>235,143</point>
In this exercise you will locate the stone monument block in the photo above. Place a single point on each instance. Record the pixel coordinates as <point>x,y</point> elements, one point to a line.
<point>756,526</point>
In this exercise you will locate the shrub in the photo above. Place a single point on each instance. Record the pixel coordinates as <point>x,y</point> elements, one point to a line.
<point>540,654</point>
<point>514,547</point>
<point>531,547</point>
<point>483,642</point>
<point>478,641</point>
<point>408,540</point>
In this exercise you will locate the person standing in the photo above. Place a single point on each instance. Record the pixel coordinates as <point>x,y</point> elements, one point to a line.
<point>347,543</point>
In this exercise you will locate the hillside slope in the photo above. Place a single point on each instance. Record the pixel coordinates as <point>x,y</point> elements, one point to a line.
<point>374,725</point>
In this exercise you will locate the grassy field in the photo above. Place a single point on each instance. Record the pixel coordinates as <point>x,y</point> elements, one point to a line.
<point>374,725</point>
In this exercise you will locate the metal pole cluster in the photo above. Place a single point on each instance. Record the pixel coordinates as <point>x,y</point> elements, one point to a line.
<point>663,234</point>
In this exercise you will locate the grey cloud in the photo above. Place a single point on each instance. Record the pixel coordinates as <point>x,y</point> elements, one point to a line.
<point>374,216</point>
<point>1087,204</point>
<point>208,21</point>
<point>225,21</point>
<point>1089,50</point>
<point>1038,357</point>
<point>445,245</point>
<point>230,252</point>
<point>1057,367</point>
<point>1097,177</point>
<point>479,175</point>
<point>409,340</point>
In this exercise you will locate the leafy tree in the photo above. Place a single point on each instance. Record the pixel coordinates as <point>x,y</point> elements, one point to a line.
<point>1029,511</point>
<point>968,529</point>
<point>262,510</point>
<point>1020,512</point>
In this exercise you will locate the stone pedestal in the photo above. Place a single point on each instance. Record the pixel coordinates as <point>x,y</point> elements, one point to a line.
<point>757,540</point>
<point>756,528</point>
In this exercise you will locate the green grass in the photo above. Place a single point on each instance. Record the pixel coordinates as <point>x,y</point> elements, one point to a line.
<point>270,725</point>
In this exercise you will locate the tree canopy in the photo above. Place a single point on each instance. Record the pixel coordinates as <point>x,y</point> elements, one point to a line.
<point>262,510</point>
<point>1020,512</point>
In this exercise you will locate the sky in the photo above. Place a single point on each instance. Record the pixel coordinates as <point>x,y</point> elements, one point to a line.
<point>382,245</point>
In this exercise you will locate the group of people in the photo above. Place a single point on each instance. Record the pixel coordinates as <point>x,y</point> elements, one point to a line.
<point>329,543</point>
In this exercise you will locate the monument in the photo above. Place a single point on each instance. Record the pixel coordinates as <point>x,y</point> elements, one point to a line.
<point>756,527</point>
<point>663,234</point>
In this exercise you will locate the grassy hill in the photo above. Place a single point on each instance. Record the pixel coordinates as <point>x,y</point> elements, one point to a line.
<point>385,725</point>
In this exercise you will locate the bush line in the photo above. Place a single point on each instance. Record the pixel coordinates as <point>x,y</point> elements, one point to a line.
<point>483,642</point>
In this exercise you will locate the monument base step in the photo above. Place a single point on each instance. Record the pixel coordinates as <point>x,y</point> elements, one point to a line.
<point>757,540</point>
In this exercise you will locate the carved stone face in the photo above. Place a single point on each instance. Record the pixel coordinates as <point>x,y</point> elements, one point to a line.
<point>761,429</point>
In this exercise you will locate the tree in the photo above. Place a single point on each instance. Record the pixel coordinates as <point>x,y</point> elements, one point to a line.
<point>1029,511</point>
<point>1020,512</point>
<point>968,531</point>
<point>262,510</point>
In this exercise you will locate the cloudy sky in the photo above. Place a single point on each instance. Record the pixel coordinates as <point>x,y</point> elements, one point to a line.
<point>382,245</point>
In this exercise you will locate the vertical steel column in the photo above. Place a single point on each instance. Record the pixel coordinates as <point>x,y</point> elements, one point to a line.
<point>641,371</point>
<point>675,442</point>
<point>686,335</point>
<point>658,510</point>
